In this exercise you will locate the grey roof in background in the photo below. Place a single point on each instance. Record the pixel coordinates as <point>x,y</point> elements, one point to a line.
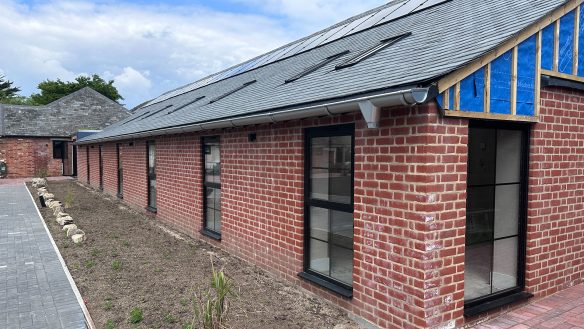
<point>83,109</point>
<point>443,38</point>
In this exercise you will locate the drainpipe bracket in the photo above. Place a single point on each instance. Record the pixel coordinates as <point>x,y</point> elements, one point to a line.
<point>371,113</point>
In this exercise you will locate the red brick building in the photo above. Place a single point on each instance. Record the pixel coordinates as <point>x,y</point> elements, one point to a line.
<point>38,140</point>
<point>415,182</point>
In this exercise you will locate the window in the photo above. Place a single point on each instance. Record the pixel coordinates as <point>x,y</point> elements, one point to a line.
<point>496,211</point>
<point>151,147</point>
<point>372,51</point>
<point>120,171</point>
<point>100,167</point>
<point>212,186</point>
<point>87,161</point>
<point>316,66</point>
<point>328,256</point>
<point>249,83</point>
<point>59,150</point>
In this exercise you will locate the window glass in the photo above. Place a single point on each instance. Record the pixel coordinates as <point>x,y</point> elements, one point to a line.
<point>212,182</point>
<point>494,204</point>
<point>329,197</point>
<point>152,174</point>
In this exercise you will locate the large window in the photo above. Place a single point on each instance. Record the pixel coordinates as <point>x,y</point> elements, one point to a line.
<point>120,171</point>
<point>100,167</point>
<point>87,162</point>
<point>495,220</point>
<point>329,207</point>
<point>151,147</point>
<point>212,186</point>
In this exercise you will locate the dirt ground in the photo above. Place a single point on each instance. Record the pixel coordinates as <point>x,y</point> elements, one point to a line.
<point>159,272</point>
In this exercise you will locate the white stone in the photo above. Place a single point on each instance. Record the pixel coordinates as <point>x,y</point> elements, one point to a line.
<point>74,231</point>
<point>68,227</point>
<point>78,238</point>
<point>64,220</point>
<point>48,196</point>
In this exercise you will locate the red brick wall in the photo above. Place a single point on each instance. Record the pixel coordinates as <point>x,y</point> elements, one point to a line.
<point>26,156</point>
<point>94,165</point>
<point>110,168</point>
<point>555,234</point>
<point>82,163</point>
<point>409,206</point>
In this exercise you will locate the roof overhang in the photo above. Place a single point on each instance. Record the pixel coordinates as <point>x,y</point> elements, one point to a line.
<point>369,105</point>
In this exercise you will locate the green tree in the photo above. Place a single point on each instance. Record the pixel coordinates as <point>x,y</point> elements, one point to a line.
<point>52,90</point>
<point>6,89</point>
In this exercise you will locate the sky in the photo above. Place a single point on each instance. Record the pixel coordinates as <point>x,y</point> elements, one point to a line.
<point>149,47</point>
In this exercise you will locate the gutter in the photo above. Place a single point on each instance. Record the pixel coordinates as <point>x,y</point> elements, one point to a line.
<point>370,107</point>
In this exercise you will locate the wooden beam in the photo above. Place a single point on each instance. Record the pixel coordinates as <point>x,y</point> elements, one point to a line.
<point>489,116</point>
<point>514,82</point>
<point>457,76</point>
<point>576,41</point>
<point>457,97</point>
<point>557,45</point>
<point>563,76</point>
<point>446,99</point>
<point>487,106</point>
<point>537,88</point>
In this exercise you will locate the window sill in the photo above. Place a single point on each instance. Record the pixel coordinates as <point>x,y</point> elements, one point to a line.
<point>493,304</point>
<point>151,209</point>
<point>211,234</point>
<point>327,284</point>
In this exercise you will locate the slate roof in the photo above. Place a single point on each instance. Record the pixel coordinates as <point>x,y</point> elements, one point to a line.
<point>443,38</point>
<point>83,109</point>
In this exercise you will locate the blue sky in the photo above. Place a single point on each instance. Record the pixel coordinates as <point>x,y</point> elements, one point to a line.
<point>149,47</point>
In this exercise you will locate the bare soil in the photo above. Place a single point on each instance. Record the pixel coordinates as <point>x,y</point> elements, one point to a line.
<point>160,272</point>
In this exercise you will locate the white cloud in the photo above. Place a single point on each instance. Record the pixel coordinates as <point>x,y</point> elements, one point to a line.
<point>148,49</point>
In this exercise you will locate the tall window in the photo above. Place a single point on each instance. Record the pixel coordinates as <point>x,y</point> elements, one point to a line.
<point>87,161</point>
<point>329,207</point>
<point>212,186</point>
<point>496,210</point>
<point>100,167</point>
<point>120,171</point>
<point>151,146</point>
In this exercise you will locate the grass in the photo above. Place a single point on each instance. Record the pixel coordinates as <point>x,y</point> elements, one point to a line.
<point>89,264</point>
<point>136,315</point>
<point>108,305</point>
<point>116,265</point>
<point>110,324</point>
<point>169,318</point>
<point>126,243</point>
<point>95,252</point>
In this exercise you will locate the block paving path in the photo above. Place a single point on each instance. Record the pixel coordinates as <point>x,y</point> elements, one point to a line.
<point>563,310</point>
<point>34,289</point>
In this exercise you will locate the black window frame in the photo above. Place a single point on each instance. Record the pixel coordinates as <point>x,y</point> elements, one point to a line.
<point>308,274</point>
<point>495,300</point>
<point>87,162</point>
<point>119,162</point>
<point>204,141</point>
<point>100,149</point>
<point>151,176</point>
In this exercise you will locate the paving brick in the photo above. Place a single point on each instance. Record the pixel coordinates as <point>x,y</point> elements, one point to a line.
<point>33,283</point>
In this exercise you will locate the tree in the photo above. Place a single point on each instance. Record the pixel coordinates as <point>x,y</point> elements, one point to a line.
<point>6,89</point>
<point>52,90</point>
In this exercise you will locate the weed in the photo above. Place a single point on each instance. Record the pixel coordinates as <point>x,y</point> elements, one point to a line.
<point>187,326</point>
<point>115,253</point>
<point>110,324</point>
<point>184,302</point>
<point>89,264</point>
<point>116,265</point>
<point>108,305</point>
<point>169,318</point>
<point>68,200</point>
<point>126,243</point>
<point>210,308</point>
<point>136,315</point>
<point>95,252</point>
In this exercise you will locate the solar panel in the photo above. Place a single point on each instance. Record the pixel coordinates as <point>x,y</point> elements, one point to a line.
<point>383,15</point>
<point>371,51</point>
